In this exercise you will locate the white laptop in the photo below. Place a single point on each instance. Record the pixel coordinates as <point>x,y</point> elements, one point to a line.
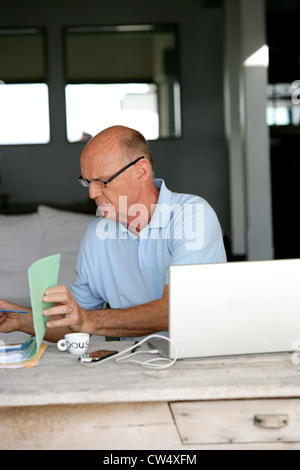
<point>230,309</point>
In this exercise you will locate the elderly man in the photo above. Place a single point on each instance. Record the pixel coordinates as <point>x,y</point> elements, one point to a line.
<point>125,254</point>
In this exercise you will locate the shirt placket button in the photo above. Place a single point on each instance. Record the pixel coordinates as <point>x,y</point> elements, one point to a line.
<point>141,257</point>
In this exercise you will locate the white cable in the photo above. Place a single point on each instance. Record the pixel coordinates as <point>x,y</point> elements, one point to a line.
<point>150,364</point>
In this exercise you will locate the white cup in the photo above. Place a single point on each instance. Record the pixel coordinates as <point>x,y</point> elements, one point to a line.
<point>76,343</point>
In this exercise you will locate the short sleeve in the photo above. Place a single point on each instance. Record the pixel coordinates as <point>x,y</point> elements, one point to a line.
<point>196,236</point>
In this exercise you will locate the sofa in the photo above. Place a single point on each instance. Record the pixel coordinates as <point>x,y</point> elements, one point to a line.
<point>27,238</point>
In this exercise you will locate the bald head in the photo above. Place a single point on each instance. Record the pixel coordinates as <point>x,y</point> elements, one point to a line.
<point>126,144</point>
<point>102,160</point>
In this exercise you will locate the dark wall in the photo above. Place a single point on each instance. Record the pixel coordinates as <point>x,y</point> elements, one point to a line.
<point>197,163</point>
<point>282,33</point>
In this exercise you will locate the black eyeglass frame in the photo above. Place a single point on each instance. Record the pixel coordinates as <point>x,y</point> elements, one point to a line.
<point>83,181</point>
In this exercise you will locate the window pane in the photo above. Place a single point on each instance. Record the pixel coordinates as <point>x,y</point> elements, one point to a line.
<point>22,55</point>
<point>91,108</point>
<point>24,103</point>
<point>282,106</point>
<point>130,55</point>
<point>24,114</point>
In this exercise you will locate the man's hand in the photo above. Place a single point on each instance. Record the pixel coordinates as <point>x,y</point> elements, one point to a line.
<point>66,312</point>
<point>10,322</point>
<point>66,315</point>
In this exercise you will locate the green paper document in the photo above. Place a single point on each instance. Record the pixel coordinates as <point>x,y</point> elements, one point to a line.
<point>41,275</point>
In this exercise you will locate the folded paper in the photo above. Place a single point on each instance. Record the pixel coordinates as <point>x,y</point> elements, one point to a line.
<point>42,275</point>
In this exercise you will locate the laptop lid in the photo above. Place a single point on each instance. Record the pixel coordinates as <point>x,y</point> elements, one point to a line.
<point>234,308</point>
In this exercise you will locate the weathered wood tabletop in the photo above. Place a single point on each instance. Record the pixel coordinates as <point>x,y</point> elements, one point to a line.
<point>184,401</point>
<point>60,378</point>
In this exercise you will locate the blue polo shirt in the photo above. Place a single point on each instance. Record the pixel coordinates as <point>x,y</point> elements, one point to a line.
<point>124,270</point>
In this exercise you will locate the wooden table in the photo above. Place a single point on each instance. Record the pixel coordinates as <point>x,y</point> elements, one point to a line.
<point>238,403</point>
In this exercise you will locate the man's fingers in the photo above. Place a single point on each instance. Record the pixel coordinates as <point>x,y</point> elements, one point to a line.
<point>57,298</point>
<point>65,311</point>
<point>56,290</point>
<point>57,294</point>
<point>58,310</point>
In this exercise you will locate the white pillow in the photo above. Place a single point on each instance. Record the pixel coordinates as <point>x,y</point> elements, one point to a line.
<point>20,246</point>
<point>61,233</point>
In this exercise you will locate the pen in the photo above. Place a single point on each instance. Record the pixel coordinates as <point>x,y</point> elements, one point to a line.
<point>12,311</point>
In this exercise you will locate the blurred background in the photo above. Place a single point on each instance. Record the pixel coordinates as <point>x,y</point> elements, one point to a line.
<point>212,84</point>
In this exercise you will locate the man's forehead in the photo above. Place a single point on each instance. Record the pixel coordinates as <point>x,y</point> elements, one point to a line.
<point>100,164</point>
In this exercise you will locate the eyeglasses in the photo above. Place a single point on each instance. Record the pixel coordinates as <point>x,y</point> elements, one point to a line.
<point>102,184</point>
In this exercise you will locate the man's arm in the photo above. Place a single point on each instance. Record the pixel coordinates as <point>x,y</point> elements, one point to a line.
<point>140,320</point>
<point>10,322</point>
<point>15,321</point>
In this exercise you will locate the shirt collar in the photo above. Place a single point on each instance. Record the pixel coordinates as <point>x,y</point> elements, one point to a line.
<point>161,215</point>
